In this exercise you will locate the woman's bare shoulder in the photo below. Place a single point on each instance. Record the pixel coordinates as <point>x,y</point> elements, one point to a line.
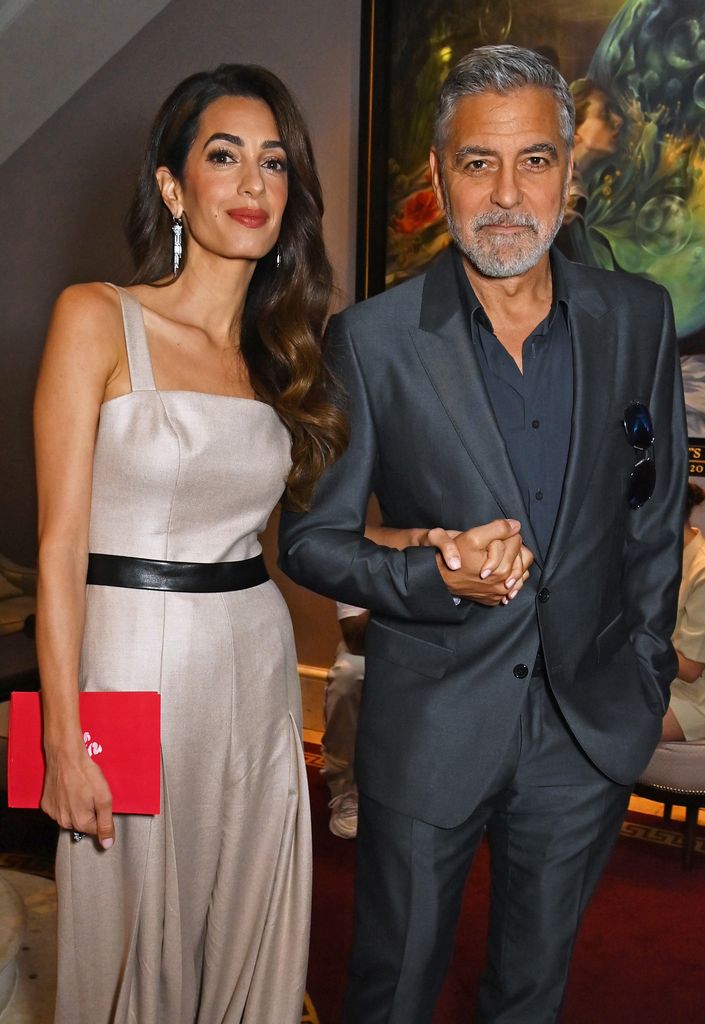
<point>86,334</point>
<point>88,317</point>
<point>90,304</point>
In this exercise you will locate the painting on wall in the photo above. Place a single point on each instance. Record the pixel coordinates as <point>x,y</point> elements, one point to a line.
<point>637,71</point>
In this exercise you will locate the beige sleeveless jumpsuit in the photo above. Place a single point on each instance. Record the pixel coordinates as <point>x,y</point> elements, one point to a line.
<point>200,914</point>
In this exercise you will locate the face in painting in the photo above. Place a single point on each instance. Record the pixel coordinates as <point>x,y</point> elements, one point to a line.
<point>599,130</point>
<point>502,178</point>
<point>234,186</point>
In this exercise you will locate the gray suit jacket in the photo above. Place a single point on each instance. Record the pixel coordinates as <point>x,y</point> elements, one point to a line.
<point>444,684</point>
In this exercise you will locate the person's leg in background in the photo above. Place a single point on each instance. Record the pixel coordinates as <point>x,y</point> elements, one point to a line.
<point>341,706</point>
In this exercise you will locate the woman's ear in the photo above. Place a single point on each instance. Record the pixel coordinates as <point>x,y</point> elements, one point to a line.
<point>170,190</point>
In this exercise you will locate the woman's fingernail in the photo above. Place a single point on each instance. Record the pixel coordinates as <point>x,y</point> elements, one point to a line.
<point>510,583</point>
<point>453,563</point>
<point>106,843</point>
<point>513,595</point>
<point>504,600</point>
<point>485,573</point>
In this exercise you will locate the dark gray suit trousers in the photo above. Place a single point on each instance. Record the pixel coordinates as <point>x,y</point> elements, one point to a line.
<point>551,819</point>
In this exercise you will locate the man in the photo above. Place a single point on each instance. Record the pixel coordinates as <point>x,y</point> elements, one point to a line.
<point>505,382</point>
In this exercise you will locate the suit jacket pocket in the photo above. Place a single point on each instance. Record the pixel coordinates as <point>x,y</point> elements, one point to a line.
<point>422,656</point>
<point>610,639</point>
<point>613,639</point>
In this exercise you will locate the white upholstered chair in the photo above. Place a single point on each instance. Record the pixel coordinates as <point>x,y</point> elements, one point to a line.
<point>676,776</point>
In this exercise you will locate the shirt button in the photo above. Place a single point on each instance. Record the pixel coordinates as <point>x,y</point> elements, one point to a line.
<point>543,595</point>
<point>536,424</point>
<point>521,671</point>
<point>539,495</point>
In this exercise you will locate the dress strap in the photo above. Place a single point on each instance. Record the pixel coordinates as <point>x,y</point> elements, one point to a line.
<point>138,357</point>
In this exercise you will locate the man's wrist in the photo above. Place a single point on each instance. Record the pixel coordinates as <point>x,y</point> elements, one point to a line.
<point>443,570</point>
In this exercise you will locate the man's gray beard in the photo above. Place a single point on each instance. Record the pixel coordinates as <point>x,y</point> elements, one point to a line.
<point>496,258</point>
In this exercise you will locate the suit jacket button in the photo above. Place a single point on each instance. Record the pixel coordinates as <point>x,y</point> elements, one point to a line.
<point>543,595</point>
<point>521,671</point>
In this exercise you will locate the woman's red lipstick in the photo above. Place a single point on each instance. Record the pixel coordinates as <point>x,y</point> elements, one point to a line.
<point>248,217</point>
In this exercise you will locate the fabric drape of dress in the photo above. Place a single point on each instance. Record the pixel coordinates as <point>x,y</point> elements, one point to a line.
<point>199,915</point>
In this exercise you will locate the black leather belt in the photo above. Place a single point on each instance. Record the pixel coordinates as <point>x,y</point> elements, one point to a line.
<point>184,577</point>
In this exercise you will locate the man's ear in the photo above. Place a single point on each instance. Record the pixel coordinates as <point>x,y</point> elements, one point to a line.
<point>434,160</point>
<point>170,190</point>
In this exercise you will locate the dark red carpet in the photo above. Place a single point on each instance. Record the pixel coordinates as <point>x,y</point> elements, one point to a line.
<point>640,956</point>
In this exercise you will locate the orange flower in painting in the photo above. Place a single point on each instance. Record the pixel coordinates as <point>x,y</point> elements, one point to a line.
<point>418,212</point>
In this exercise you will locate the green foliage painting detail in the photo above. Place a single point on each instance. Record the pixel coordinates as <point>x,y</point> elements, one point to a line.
<point>646,214</point>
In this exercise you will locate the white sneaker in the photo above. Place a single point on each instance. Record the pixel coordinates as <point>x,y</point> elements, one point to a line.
<point>343,817</point>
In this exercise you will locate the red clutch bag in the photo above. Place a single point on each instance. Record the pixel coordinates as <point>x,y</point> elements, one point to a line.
<point>121,733</point>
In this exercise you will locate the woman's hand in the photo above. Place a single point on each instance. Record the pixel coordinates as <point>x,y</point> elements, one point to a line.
<point>76,794</point>
<point>490,562</point>
<point>494,563</point>
<point>494,567</point>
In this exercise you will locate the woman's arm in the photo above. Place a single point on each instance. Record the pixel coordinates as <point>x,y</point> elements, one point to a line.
<point>390,537</point>
<point>353,629</point>
<point>417,537</point>
<point>689,670</point>
<point>689,637</point>
<point>82,357</point>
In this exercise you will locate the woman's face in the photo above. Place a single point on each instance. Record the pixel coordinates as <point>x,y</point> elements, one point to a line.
<point>600,128</point>
<point>234,186</point>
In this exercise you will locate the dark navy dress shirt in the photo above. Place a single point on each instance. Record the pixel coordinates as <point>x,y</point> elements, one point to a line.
<point>533,408</point>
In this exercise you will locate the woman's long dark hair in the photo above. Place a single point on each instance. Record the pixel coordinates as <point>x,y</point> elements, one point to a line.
<point>286,306</point>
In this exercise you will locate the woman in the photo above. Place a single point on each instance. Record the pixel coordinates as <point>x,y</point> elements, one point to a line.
<point>685,717</point>
<point>170,418</point>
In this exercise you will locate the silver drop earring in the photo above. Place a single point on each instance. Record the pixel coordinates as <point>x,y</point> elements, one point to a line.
<point>177,227</point>
<point>278,259</point>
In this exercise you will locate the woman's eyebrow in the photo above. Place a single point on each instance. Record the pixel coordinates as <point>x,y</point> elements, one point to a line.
<point>236,140</point>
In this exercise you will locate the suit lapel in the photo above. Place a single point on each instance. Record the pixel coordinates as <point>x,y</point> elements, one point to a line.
<point>594,343</point>
<point>446,352</point>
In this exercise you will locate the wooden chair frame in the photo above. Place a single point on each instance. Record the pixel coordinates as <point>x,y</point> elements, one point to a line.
<point>693,801</point>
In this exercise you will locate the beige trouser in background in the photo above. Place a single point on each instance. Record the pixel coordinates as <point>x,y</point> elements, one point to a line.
<point>340,710</point>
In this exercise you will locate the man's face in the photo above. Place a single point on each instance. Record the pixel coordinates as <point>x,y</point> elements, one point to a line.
<point>502,178</point>
<point>599,129</point>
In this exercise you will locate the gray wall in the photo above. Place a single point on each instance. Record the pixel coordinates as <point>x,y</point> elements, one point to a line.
<point>91,32</point>
<point>64,193</point>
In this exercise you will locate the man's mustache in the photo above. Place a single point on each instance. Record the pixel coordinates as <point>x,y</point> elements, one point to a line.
<point>505,220</point>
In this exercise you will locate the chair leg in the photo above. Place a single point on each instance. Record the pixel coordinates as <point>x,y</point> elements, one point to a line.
<point>667,811</point>
<point>691,825</point>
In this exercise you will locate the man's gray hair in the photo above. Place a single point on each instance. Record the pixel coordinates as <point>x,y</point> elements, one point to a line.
<point>502,69</point>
